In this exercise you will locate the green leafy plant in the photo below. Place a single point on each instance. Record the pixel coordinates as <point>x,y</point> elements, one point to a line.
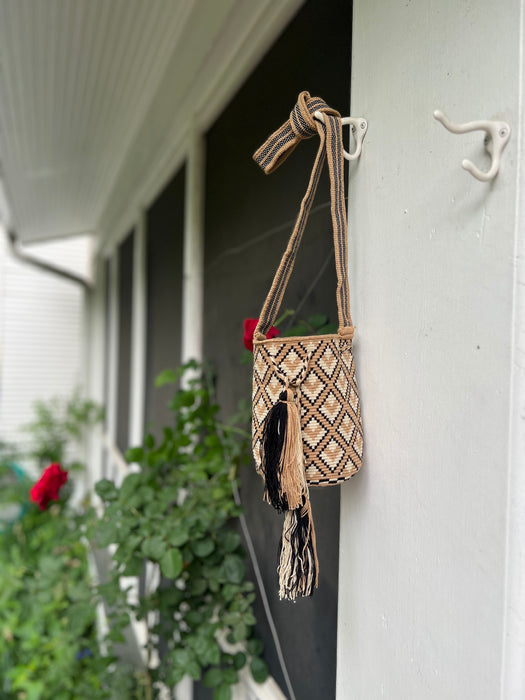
<point>49,648</point>
<point>178,514</point>
<point>48,645</point>
<point>8,453</point>
<point>59,423</point>
<point>14,487</point>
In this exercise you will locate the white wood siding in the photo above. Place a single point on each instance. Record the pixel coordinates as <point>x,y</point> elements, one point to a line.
<point>41,331</point>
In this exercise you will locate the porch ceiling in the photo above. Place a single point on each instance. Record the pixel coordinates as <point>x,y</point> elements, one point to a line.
<point>91,90</point>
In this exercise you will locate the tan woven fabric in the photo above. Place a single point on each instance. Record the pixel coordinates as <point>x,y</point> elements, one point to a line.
<point>327,395</point>
<point>319,370</point>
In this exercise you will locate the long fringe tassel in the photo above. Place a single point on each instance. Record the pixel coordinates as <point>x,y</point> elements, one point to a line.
<point>282,455</point>
<point>286,490</point>
<point>298,566</point>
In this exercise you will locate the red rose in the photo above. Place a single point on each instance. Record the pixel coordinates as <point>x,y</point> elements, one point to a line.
<point>250,324</point>
<point>47,487</point>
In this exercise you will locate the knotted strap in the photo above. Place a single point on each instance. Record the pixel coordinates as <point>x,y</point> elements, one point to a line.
<point>275,150</point>
<point>301,125</point>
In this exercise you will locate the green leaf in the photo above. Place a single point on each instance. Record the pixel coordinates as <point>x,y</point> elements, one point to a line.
<point>299,329</point>
<point>152,512</point>
<point>233,568</point>
<point>240,632</point>
<point>212,440</point>
<point>34,690</point>
<point>259,670</point>
<point>182,657</point>
<point>230,540</point>
<point>106,490</point>
<point>318,321</point>
<point>255,647</point>
<point>175,675</point>
<point>198,586</point>
<point>214,654</point>
<point>239,660</point>
<point>134,454</point>
<point>222,692</point>
<point>148,494</point>
<point>230,676</point>
<point>129,486</point>
<point>229,591</point>
<point>182,399</point>
<point>106,532</point>
<point>249,619</point>
<point>171,563</point>
<point>203,548</point>
<point>330,328</point>
<point>166,377</point>
<point>154,548</point>
<point>193,618</point>
<point>196,642</point>
<point>212,573</point>
<point>115,635</point>
<point>193,670</point>
<point>178,537</point>
<point>133,567</point>
<point>187,398</point>
<point>172,597</point>
<point>212,678</point>
<point>49,565</point>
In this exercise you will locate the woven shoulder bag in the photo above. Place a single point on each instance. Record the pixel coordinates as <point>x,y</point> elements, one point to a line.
<point>307,428</point>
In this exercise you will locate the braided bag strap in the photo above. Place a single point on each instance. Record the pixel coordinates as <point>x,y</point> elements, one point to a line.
<point>302,125</point>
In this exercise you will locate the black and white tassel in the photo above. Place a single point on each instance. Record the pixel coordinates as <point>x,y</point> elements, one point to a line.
<point>286,490</point>
<point>298,566</point>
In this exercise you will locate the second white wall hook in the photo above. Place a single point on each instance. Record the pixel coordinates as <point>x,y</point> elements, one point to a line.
<point>497,137</point>
<point>359,129</point>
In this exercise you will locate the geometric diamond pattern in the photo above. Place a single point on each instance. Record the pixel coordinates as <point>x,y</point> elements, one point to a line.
<point>321,373</point>
<point>332,454</point>
<point>346,429</point>
<point>313,433</point>
<point>342,382</point>
<point>328,361</point>
<point>260,368</point>
<point>312,388</point>
<point>331,408</point>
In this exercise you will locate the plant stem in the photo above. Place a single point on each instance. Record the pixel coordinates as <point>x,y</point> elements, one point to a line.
<point>148,688</point>
<point>284,316</point>
<point>234,429</point>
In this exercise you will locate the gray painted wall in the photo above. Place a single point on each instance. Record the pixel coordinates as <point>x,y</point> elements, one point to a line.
<point>248,219</point>
<point>165,228</point>
<point>125,285</point>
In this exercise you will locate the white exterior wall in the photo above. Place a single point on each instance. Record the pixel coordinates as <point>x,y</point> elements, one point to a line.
<point>430,587</point>
<point>41,331</point>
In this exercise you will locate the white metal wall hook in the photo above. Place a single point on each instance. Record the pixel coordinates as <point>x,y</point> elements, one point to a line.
<point>497,137</point>
<point>359,129</point>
